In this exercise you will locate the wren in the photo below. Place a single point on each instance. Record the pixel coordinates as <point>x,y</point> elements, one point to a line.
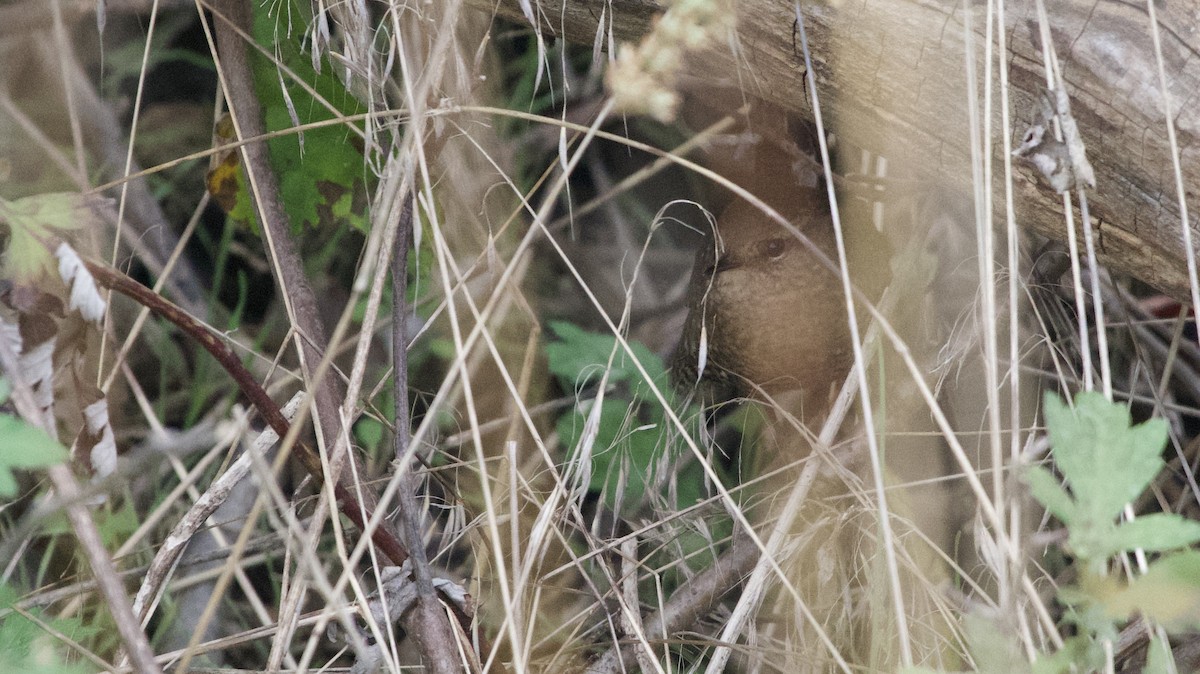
<point>766,315</point>
<point>768,322</point>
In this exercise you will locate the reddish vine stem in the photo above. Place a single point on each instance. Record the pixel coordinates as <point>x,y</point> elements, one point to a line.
<point>348,505</point>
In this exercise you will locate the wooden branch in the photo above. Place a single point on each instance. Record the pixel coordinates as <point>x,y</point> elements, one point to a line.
<point>233,23</point>
<point>429,626</point>
<point>435,636</point>
<point>349,506</point>
<point>892,75</point>
<point>687,605</point>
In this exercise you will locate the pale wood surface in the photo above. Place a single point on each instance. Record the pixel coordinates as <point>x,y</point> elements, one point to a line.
<point>892,75</point>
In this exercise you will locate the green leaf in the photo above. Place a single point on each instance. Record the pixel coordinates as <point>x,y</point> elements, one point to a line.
<point>690,485</point>
<point>1106,462</point>
<point>578,358</point>
<point>24,446</point>
<point>1158,658</point>
<point>1050,493</point>
<point>1169,593</point>
<point>1074,653</point>
<point>323,177</point>
<point>117,525</point>
<point>994,650</point>
<point>32,222</point>
<point>624,454</point>
<point>1153,533</point>
<point>27,648</point>
<point>627,467</point>
<point>576,355</point>
<point>613,422</point>
<point>631,440</point>
<point>369,433</point>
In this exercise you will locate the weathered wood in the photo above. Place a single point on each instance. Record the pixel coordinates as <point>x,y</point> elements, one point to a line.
<point>892,76</point>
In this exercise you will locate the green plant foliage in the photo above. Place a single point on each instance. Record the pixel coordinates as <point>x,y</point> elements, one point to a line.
<point>623,452</point>
<point>994,649</point>
<point>368,432</point>
<point>632,438</point>
<point>24,446</point>
<point>32,223</point>
<point>578,358</point>
<point>1078,654</point>
<point>1107,462</point>
<point>322,173</point>
<point>27,648</point>
<point>1168,593</point>
<point>1158,658</point>
<point>625,447</point>
<point>116,523</point>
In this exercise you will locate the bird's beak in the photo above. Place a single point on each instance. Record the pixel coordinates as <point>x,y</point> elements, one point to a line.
<point>725,264</point>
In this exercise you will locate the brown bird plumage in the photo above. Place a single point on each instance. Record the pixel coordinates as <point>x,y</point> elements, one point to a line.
<point>770,314</point>
<point>768,322</point>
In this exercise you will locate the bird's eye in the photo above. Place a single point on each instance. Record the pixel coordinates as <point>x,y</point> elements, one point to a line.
<point>773,248</point>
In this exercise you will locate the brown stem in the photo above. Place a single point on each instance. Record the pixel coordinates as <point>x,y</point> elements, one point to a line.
<point>434,634</point>
<point>400,325</point>
<point>689,603</point>
<point>232,24</point>
<point>347,503</point>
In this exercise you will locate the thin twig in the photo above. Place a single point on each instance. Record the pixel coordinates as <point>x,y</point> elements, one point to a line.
<point>688,604</point>
<point>218,492</point>
<point>860,367</point>
<point>435,636</point>
<point>307,456</point>
<point>232,22</point>
<point>232,27</point>
<point>400,326</point>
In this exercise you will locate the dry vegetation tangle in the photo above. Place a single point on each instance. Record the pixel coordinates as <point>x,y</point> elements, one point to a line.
<point>598,336</point>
